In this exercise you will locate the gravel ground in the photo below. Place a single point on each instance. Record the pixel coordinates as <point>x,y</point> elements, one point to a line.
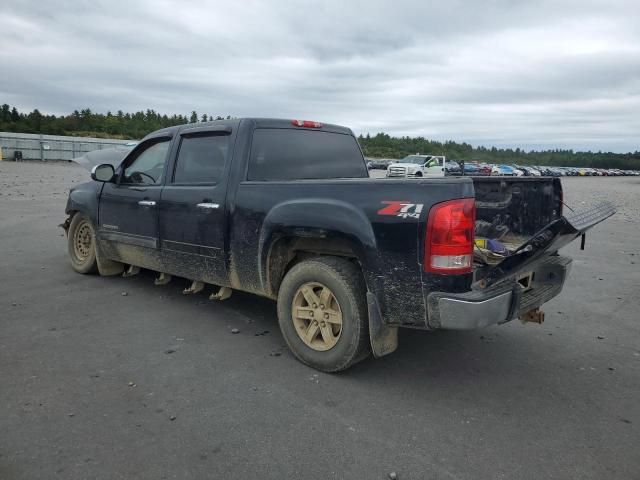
<point>96,384</point>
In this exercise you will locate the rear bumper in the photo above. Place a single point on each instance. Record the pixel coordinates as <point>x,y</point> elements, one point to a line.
<point>500,303</point>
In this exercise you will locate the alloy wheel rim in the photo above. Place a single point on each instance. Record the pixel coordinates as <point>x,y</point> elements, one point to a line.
<point>317,317</point>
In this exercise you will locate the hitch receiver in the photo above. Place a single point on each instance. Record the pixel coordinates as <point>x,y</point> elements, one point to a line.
<point>533,316</point>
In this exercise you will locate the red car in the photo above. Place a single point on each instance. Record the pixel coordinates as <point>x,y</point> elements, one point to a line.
<point>484,169</point>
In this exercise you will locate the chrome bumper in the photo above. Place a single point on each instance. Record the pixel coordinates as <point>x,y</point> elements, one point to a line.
<point>498,304</point>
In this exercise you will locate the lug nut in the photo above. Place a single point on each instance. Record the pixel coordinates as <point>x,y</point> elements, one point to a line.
<point>321,307</point>
<point>315,305</point>
<point>326,315</point>
<point>311,314</point>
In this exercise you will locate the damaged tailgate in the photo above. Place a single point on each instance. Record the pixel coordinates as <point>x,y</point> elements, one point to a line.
<point>545,241</point>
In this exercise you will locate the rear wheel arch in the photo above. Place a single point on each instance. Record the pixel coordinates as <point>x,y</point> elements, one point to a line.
<point>286,252</point>
<point>322,226</point>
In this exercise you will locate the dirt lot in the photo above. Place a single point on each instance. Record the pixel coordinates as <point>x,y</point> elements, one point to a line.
<point>95,384</point>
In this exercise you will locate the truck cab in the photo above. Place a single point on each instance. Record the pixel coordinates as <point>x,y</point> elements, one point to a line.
<point>418,166</point>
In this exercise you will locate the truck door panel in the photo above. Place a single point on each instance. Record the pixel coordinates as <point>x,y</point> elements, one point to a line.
<point>128,209</point>
<point>192,206</point>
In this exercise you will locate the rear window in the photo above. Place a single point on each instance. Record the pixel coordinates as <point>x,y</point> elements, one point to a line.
<point>291,154</point>
<point>201,158</point>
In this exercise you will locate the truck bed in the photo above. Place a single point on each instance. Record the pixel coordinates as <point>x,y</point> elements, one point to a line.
<point>526,216</point>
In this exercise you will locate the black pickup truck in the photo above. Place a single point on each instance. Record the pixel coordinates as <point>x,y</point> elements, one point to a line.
<point>286,209</point>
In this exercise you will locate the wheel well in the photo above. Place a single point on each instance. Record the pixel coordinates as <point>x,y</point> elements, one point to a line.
<point>67,223</point>
<point>288,251</point>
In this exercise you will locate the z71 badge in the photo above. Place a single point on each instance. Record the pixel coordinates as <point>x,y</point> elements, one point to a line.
<point>402,209</point>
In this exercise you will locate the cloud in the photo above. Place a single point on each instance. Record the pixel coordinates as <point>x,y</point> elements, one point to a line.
<point>538,74</point>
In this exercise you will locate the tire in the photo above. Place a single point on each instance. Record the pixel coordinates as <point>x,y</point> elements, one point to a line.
<point>349,341</point>
<point>81,244</point>
<point>418,174</point>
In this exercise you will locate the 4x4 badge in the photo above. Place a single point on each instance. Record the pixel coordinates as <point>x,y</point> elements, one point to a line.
<point>402,209</point>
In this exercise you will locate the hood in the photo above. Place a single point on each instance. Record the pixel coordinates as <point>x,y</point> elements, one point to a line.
<point>114,156</point>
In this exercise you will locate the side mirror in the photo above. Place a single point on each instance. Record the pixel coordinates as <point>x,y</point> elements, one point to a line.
<point>103,173</point>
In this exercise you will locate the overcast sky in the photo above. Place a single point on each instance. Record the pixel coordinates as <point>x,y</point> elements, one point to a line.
<point>533,74</point>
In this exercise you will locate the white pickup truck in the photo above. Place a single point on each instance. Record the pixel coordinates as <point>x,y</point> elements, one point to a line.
<point>418,166</point>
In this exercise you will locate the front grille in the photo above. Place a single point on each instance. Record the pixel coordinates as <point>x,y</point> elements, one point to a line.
<point>397,172</point>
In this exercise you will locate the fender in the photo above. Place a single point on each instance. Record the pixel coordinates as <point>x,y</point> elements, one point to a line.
<point>331,219</point>
<point>316,218</point>
<point>84,198</point>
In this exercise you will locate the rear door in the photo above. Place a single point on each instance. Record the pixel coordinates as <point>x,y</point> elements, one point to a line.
<point>192,205</point>
<point>128,209</point>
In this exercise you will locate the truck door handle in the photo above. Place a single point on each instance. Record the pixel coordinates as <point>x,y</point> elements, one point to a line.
<point>147,203</point>
<point>210,206</point>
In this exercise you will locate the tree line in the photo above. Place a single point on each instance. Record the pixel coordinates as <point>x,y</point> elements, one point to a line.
<point>385,146</point>
<point>89,124</point>
<point>137,125</point>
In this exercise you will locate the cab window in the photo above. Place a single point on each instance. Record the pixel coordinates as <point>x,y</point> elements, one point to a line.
<point>292,154</point>
<point>434,162</point>
<point>148,165</point>
<point>201,159</point>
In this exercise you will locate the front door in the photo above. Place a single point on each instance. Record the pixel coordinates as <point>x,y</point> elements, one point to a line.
<point>192,206</point>
<point>434,167</point>
<point>128,210</point>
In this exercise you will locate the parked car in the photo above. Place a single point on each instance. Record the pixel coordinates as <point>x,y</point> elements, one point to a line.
<point>471,169</point>
<point>504,170</point>
<point>379,163</point>
<point>286,209</point>
<point>570,171</point>
<point>452,168</point>
<point>484,169</point>
<point>529,171</point>
<point>418,166</point>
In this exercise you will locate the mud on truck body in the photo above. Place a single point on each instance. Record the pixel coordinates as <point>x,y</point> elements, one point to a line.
<point>286,210</point>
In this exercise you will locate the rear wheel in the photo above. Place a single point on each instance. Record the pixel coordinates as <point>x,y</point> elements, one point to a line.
<point>81,244</point>
<point>323,314</point>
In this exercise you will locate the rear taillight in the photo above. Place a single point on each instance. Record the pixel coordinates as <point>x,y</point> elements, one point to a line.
<point>448,245</point>
<point>306,124</point>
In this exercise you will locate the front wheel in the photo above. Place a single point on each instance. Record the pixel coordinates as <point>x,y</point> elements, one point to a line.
<point>323,314</point>
<point>82,244</point>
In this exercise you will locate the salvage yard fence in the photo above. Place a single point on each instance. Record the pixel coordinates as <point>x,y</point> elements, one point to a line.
<point>51,147</point>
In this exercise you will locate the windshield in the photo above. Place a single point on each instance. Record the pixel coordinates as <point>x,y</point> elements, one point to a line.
<point>417,159</point>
